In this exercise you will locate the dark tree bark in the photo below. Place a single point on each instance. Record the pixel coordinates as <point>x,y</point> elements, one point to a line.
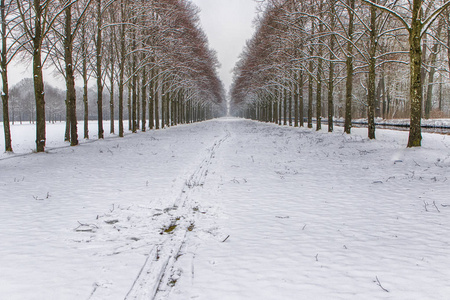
<point>432,63</point>
<point>144,98</point>
<point>331,69</point>
<point>285,95</point>
<point>85,81</point>
<point>371,77</point>
<point>151,101</point>
<point>122,62</point>
<point>99,45</point>
<point>349,65</point>
<point>4,71</point>
<point>163,104</point>
<point>111,82</point>
<point>138,102</point>
<point>70,78</point>
<point>296,99</point>
<point>415,56</point>
<point>310,93</point>
<point>168,108</point>
<point>290,94</point>
<point>38,77</point>
<point>300,106</point>
<point>130,88</point>
<point>133,82</point>
<point>156,100</point>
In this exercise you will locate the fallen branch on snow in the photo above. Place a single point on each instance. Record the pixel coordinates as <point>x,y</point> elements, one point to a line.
<point>379,284</point>
<point>86,227</point>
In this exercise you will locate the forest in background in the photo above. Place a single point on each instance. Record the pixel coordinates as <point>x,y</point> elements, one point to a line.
<point>346,59</point>
<point>149,56</point>
<point>22,105</point>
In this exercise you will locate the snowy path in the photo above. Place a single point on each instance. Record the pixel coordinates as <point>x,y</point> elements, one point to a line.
<point>156,274</point>
<point>229,209</point>
<point>317,216</point>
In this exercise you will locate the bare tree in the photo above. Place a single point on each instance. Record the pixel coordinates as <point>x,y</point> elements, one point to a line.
<point>7,11</point>
<point>416,27</point>
<point>38,17</point>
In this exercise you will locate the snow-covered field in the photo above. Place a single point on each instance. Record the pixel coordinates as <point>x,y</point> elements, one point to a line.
<point>227,209</point>
<point>24,135</point>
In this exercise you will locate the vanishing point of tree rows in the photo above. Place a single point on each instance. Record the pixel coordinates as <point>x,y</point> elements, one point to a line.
<point>344,59</point>
<point>151,55</point>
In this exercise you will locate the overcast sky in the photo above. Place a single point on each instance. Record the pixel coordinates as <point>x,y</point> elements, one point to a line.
<point>228,24</point>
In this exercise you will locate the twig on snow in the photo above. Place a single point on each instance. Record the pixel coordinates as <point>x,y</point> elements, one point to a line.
<point>86,227</point>
<point>225,239</point>
<point>137,278</point>
<point>425,205</point>
<point>96,285</point>
<point>379,284</point>
<point>434,203</point>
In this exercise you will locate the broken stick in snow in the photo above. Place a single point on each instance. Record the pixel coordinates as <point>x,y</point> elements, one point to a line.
<point>379,284</point>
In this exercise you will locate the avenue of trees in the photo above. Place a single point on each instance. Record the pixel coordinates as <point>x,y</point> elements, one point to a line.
<point>150,57</point>
<point>345,59</point>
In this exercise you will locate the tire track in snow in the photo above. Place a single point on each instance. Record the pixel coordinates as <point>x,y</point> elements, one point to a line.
<point>155,274</point>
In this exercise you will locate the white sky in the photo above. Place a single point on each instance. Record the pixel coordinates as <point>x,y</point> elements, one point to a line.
<point>228,24</point>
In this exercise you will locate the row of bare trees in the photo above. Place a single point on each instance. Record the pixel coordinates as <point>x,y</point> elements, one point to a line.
<point>357,53</point>
<point>151,53</point>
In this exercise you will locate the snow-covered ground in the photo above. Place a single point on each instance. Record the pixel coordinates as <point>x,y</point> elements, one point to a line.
<point>398,122</point>
<point>228,209</point>
<point>24,135</point>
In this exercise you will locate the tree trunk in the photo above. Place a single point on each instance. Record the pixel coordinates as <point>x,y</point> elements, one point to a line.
<point>70,78</point>
<point>433,58</point>
<point>300,98</point>
<point>284,97</point>
<point>151,101</point>
<point>331,71</point>
<point>371,76</point>
<point>440,93</point>
<point>134,104</point>
<point>85,81</point>
<point>138,103</point>
<point>310,93</point>
<point>290,94</point>
<point>168,96</point>
<point>5,89</point>
<point>448,40</point>
<point>156,100</point>
<point>133,85</point>
<point>129,89</point>
<point>111,83</point>
<point>296,99</point>
<point>144,98</point>
<point>67,131</point>
<point>163,105</point>
<point>98,47</point>
<point>122,66</point>
<point>415,53</point>
<point>349,65</point>
<point>38,79</point>
<point>382,87</point>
